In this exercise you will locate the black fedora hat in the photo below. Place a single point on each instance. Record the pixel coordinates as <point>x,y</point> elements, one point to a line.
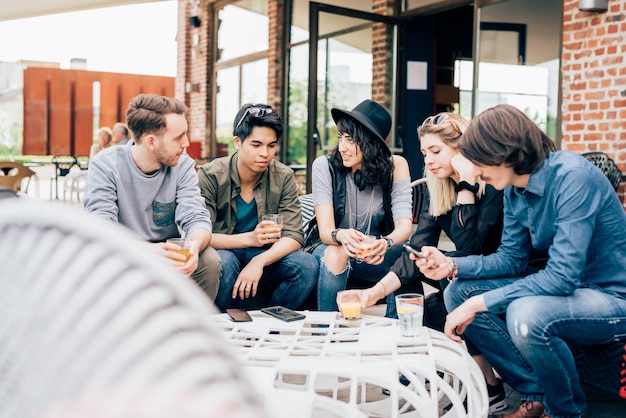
<point>370,114</point>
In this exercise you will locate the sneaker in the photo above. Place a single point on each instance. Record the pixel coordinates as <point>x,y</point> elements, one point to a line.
<point>497,397</point>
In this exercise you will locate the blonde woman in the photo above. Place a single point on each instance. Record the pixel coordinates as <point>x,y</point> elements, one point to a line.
<point>104,136</point>
<point>458,203</point>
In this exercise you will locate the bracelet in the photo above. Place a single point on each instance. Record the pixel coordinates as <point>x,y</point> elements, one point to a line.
<point>466,186</point>
<point>453,267</point>
<point>333,235</point>
<point>389,242</point>
<point>384,289</point>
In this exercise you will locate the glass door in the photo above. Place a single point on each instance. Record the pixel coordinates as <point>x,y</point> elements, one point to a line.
<point>352,57</point>
<point>517,58</point>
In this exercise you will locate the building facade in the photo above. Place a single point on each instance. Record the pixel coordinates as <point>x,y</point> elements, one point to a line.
<point>561,65</point>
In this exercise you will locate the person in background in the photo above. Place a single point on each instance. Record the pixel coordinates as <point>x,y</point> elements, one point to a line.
<point>258,270</point>
<point>555,202</point>
<point>359,190</point>
<point>104,137</point>
<point>120,134</point>
<point>151,187</point>
<point>460,204</point>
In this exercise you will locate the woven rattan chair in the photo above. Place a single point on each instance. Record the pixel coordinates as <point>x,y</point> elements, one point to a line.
<point>95,324</point>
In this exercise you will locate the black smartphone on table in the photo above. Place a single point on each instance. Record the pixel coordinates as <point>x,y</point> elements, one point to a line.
<point>410,248</point>
<point>239,315</point>
<point>282,313</point>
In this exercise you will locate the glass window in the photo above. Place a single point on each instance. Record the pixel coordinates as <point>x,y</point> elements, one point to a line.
<point>519,67</point>
<point>226,107</point>
<point>231,41</point>
<point>298,95</point>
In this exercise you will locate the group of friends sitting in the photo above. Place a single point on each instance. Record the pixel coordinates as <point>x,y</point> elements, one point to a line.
<point>540,250</point>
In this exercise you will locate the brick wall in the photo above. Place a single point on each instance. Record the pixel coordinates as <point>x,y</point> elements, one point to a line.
<point>382,55</point>
<point>194,69</point>
<point>275,57</point>
<point>594,81</point>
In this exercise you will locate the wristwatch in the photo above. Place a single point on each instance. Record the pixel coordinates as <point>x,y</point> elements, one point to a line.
<point>389,242</point>
<point>466,186</point>
<point>333,235</point>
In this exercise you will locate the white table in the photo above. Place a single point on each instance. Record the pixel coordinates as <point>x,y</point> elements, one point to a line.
<point>324,364</point>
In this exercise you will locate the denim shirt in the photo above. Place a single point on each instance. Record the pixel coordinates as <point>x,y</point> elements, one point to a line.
<point>570,211</point>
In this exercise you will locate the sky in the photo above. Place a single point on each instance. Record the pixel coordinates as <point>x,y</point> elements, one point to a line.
<point>136,39</point>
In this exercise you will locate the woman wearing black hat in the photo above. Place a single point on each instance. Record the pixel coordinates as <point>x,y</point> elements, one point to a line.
<point>359,190</point>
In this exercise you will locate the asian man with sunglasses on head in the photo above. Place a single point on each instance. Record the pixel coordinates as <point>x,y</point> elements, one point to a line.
<point>257,270</point>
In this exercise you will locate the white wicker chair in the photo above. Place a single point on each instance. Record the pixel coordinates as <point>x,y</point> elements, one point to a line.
<point>94,324</point>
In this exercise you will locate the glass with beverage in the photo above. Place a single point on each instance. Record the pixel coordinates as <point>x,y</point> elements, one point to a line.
<point>365,248</point>
<point>273,229</point>
<point>410,308</point>
<point>349,302</point>
<point>185,246</point>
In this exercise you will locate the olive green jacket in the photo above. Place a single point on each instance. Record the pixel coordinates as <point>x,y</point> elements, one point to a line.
<point>276,192</point>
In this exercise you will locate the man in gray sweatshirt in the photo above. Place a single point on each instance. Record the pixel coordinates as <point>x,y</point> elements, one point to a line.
<point>150,185</point>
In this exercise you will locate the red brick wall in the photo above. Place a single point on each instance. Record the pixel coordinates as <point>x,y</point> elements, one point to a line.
<point>594,81</point>
<point>382,56</point>
<point>195,67</point>
<point>275,74</point>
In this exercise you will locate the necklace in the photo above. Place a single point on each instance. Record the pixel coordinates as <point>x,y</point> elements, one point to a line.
<point>354,216</point>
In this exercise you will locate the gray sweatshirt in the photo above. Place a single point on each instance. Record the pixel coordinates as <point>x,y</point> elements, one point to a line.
<point>156,206</point>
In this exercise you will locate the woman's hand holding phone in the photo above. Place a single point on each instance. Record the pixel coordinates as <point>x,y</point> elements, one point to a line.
<point>431,262</point>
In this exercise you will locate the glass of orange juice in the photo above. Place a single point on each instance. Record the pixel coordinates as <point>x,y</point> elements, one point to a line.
<point>274,228</point>
<point>185,246</point>
<point>349,302</point>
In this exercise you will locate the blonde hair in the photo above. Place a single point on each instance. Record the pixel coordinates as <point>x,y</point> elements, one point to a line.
<point>449,127</point>
<point>109,135</point>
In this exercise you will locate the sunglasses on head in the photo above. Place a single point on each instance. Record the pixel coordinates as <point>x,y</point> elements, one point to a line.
<point>255,111</point>
<point>435,120</point>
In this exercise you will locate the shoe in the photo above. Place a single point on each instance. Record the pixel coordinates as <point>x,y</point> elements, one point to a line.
<point>403,380</point>
<point>526,409</point>
<point>497,397</point>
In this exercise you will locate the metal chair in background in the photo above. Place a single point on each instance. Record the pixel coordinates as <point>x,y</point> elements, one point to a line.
<point>62,165</point>
<point>419,188</point>
<point>95,323</point>
<point>607,166</point>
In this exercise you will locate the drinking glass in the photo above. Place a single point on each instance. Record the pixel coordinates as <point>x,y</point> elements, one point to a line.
<point>410,309</point>
<point>274,229</point>
<point>185,246</point>
<point>365,248</point>
<point>349,302</point>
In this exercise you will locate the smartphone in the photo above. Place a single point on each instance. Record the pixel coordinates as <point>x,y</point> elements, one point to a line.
<point>282,313</point>
<point>418,253</point>
<point>238,315</point>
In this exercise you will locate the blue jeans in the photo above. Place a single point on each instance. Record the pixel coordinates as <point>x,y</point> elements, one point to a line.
<point>528,346</point>
<point>287,282</point>
<point>329,284</point>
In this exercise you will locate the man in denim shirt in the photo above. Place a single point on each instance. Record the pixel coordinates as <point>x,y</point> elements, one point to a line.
<point>556,203</point>
<point>258,269</point>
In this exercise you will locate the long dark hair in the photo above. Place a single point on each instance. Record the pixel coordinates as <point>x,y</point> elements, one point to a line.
<point>377,163</point>
<point>503,134</point>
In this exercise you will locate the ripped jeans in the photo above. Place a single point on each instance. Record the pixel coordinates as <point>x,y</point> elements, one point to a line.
<point>328,284</point>
<point>528,346</point>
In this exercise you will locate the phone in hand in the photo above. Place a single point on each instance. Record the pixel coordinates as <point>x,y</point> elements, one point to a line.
<point>238,315</point>
<point>282,313</point>
<point>417,253</point>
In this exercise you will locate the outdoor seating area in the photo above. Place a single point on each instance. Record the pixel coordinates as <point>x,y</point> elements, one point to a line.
<point>356,386</point>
